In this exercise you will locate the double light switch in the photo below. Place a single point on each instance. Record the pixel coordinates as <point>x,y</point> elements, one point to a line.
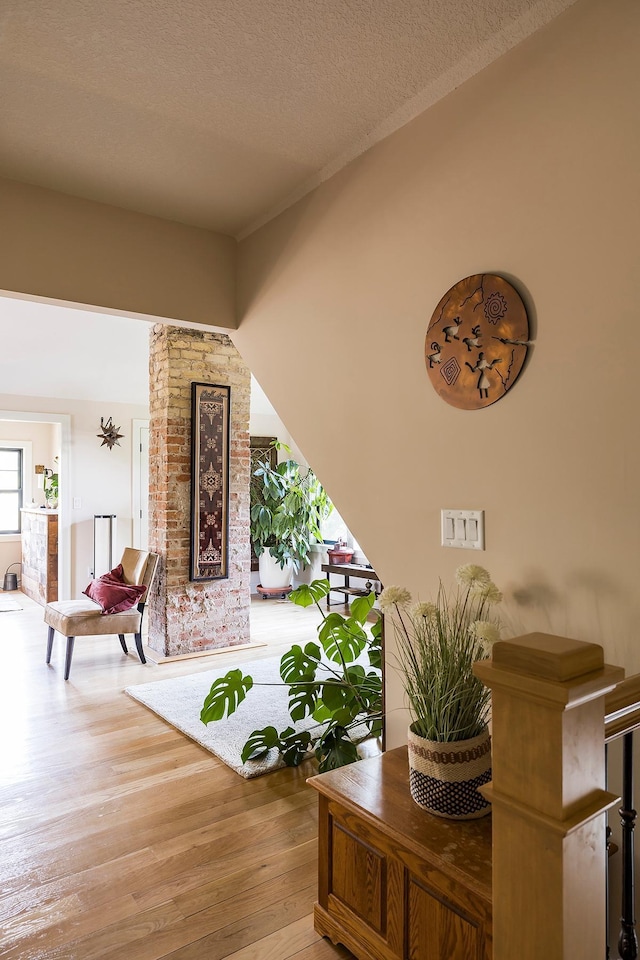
<point>463,528</point>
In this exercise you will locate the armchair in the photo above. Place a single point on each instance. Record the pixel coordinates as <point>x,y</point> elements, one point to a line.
<point>85,618</point>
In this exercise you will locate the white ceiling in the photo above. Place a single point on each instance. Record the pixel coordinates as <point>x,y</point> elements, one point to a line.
<point>216,113</point>
<point>51,351</point>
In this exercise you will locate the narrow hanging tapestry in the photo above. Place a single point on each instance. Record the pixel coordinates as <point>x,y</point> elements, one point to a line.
<point>210,418</point>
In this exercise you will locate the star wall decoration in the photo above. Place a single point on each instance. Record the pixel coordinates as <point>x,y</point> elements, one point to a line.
<point>109,435</point>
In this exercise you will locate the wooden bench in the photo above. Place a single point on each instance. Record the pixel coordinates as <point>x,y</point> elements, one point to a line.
<point>393,880</point>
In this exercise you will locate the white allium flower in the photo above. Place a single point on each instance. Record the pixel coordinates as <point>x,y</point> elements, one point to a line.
<point>392,596</point>
<point>426,611</point>
<point>485,631</point>
<point>472,575</point>
<point>487,591</point>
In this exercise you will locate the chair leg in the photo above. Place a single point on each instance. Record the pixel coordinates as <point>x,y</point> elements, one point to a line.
<point>50,644</point>
<point>139,647</point>
<point>123,642</point>
<point>67,662</point>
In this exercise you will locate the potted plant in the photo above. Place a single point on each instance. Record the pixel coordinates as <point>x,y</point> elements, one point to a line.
<point>51,489</point>
<point>335,688</point>
<point>437,644</point>
<point>288,504</point>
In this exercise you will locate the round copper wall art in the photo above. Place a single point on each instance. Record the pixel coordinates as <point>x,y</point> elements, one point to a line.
<point>477,341</point>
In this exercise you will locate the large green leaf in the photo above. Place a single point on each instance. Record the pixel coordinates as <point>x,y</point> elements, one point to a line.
<point>346,715</point>
<point>321,714</point>
<point>375,645</point>
<point>226,694</point>
<point>295,747</point>
<point>361,607</point>
<point>335,749</point>
<point>370,691</point>
<point>303,698</point>
<point>309,593</point>
<point>332,621</point>
<point>355,675</point>
<point>375,657</point>
<point>297,663</point>
<point>342,639</point>
<point>375,727</point>
<point>259,743</point>
<point>340,699</point>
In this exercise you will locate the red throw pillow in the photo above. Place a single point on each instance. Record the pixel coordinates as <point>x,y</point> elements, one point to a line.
<point>112,593</point>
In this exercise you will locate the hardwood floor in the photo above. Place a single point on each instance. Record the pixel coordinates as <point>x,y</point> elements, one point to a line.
<point>123,839</point>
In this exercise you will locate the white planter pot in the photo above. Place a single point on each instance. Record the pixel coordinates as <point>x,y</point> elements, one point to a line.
<point>313,571</point>
<point>272,575</point>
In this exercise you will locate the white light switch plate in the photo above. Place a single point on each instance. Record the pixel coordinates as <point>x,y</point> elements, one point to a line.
<point>462,528</point>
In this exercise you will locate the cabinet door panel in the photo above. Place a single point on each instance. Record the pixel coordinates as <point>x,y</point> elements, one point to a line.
<point>437,929</point>
<point>358,877</point>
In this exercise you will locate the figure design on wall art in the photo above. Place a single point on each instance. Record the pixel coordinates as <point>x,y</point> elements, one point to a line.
<point>436,356</point>
<point>482,365</point>
<point>473,340</point>
<point>451,332</point>
<point>477,341</point>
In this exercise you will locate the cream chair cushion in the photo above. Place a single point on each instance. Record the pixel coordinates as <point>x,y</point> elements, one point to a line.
<point>84,618</point>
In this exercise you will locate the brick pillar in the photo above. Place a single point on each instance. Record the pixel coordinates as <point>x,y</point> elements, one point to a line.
<point>187,617</point>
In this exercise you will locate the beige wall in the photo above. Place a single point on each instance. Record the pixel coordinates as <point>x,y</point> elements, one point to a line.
<point>64,248</point>
<point>529,170</point>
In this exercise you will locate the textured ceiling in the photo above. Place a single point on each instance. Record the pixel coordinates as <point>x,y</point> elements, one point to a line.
<point>219,113</point>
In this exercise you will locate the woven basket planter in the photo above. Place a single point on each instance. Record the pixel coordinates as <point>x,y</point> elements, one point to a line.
<point>444,777</point>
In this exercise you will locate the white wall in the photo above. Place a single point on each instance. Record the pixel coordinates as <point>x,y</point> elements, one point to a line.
<point>100,478</point>
<point>45,445</point>
<point>264,421</point>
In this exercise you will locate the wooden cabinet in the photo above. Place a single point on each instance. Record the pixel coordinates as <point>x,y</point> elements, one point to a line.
<point>394,882</point>
<point>40,555</point>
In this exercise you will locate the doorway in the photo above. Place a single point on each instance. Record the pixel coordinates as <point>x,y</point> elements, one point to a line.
<point>140,486</point>
<point>63,422</point>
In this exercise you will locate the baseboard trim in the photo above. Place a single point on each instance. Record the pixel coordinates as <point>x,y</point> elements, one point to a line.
<point>158,658</point>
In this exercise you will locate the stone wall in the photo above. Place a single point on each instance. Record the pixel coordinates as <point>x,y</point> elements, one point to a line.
<point>186,617</point>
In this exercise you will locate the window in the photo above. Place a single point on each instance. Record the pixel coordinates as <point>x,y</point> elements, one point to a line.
<point>11,488</point>
<point>334,528</point>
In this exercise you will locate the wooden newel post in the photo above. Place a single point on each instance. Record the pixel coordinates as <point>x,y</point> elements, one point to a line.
<point>549,798</point>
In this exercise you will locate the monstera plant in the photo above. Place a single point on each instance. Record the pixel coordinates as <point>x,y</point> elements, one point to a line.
<point>335,686</point>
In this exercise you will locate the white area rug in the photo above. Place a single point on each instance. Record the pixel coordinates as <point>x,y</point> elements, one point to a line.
<point>6,606</point>
<point>179,702</point>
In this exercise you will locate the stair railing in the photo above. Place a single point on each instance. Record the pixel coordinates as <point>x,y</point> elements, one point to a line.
<point>549,801</point>
<point>622,718</point>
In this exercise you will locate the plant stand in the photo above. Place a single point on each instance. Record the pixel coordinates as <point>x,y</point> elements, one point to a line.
<point>273,592</point>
